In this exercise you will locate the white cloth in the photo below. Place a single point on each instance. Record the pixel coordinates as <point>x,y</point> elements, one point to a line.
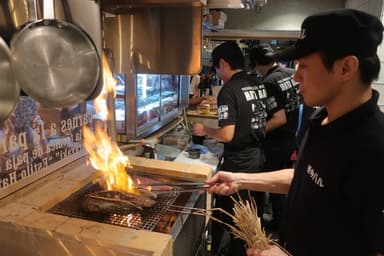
<point>194,84</point>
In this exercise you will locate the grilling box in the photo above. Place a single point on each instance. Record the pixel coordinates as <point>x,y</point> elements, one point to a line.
<point>44,218</point>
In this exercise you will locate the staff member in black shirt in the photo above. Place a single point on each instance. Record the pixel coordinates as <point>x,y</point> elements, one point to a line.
<point>282,120</point>
<point>241,120</point>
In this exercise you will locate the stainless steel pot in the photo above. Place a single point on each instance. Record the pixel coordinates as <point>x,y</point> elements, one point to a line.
<point>9,89</point>
<point>55,61</point>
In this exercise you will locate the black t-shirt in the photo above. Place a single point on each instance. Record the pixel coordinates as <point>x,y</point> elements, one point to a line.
<point>242,102</point>
<point>336,200</point>
<point>283,93</point>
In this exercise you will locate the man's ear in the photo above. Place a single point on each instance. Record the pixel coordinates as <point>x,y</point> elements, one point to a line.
<point>222,61</point>
<point>349,67</point>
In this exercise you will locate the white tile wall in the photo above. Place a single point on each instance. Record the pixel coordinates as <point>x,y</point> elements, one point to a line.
<point>374,7</point>
<point>278,14</point>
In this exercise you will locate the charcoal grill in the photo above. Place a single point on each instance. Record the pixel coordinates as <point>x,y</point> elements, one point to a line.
<point>146,219</point>
<point>187,230</point>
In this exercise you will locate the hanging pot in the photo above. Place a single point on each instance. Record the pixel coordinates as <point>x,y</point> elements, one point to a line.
<point>54,61</point>
<point>9,89</point>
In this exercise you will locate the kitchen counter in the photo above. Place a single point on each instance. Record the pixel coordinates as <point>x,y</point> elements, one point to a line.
<point>195,113</point>
<point>26,228</point>
<point>210,159</point>
<point>209,119</point>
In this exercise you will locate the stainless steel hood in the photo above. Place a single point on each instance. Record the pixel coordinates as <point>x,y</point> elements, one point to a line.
<point>231,4</point>
<point>234,34</point>
<point>155,39</point>
<point>121,6</point>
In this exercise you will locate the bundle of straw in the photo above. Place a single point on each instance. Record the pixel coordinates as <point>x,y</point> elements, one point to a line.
<point>247,224</point>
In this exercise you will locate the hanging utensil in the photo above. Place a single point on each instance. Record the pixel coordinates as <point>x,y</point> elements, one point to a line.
<point>54,61</point>
<point>9,89</point>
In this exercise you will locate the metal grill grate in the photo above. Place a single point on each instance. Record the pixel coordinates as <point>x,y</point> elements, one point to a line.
<point>146,219</point>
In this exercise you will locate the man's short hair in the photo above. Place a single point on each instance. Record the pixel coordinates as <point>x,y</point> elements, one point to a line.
<point>231,53</point>
<point>259,55</point>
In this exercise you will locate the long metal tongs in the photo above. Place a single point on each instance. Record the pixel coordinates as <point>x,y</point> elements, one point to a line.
<point>177,186</point>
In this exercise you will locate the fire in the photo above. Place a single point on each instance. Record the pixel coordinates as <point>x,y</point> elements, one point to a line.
<point>103,153</point>
<point>109,83</point>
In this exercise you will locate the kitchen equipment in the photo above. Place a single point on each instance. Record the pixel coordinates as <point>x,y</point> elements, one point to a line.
<point>55,61</point>
<point>147,219</point>
<point>9,89</point>
<point>147,39</point>
<point>180,140</point>
<point>186,229</point>
<point>147,103</point>
<point>166,152</point>
<point>194,153</point>
<point>174,187</point>
<point>198,139</point>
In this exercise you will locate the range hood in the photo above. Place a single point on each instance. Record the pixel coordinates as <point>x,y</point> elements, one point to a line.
<point>117,6</point>
<point>153,38</point>
<point>232,4</point>
<point>235,34</point>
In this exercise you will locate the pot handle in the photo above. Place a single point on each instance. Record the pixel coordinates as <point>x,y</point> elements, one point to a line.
<point>49,9</point>
<point>33,11</point>
<point>67,11</point>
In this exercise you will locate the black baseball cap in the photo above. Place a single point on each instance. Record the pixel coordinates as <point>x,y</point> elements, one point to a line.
<point>260,54</point>
<point>230,52</point>
<point>340,32</point>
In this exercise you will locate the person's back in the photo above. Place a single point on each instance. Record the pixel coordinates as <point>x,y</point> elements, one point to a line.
<point>284,136</point>
<point>239,104</point>
<point>283,93</point>
<point>282,105</point>
<point>242,111</point>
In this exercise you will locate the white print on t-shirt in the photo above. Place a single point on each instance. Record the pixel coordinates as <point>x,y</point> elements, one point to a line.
<point>287,83</point>
<point>291,89</point>
<point>254,92</point>
<point>271,103</point>
<point>222,112</point>
<point>315,177</point>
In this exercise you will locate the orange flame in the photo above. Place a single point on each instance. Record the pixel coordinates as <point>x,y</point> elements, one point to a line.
<point>109,86</point>
<point>103,153</point>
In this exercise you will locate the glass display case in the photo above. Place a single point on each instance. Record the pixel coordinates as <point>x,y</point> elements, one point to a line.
<point>147,100</point>
<point>169,95</point>
<point>120,103</point>
<point>145,103</point>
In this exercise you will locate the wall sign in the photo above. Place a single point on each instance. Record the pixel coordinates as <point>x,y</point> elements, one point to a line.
<point>34,141</point>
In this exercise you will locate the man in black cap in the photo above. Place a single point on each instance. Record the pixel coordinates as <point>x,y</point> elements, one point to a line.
<point>335,202</point>
<point>241,120</point>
